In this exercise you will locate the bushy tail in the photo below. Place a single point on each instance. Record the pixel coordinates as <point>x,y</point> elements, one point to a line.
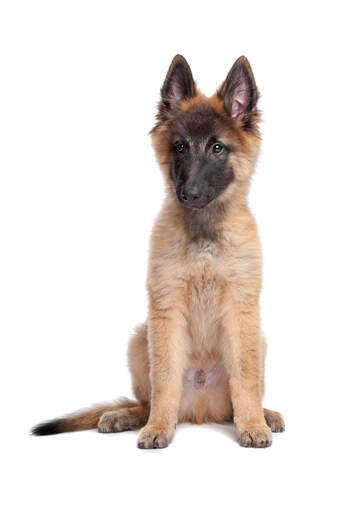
<point>80,420</point>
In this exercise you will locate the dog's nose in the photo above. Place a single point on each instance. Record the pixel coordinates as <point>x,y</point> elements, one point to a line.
<point>190,194</point>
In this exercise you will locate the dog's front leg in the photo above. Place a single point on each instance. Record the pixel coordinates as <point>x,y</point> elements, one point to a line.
<point>166,341</point>
<point>243,358</point>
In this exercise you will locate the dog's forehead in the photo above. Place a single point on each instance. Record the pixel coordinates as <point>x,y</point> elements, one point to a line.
<point>198,123</point>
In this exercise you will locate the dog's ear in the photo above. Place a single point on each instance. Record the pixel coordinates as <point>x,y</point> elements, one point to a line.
<point>239,91</point>
<point>179,84</point>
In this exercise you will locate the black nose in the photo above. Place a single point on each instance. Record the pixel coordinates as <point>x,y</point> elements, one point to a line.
<point>190,194</point>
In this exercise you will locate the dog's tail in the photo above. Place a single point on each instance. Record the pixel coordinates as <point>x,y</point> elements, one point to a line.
<point>81,420</point>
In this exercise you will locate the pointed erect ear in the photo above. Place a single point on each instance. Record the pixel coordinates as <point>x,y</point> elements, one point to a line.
<point>239,91</point>
<point>179,84</point>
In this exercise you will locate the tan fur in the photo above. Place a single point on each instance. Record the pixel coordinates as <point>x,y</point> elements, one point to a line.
<point>203,323</point>
<point>87,419</point>
<point>204,306</point>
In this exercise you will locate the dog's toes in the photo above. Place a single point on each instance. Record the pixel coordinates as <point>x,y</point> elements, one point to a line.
<point>153,437</point>
<point>274,420</point>
<point>118,421</point>
<point>257,437</point>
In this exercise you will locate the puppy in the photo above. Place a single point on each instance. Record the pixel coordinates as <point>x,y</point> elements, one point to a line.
<point>200,355</point>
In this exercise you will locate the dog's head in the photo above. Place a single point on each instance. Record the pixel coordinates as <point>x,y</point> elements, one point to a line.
<point>207,147</point>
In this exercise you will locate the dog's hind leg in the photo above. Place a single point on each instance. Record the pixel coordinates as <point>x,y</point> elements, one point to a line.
<point>129,418</point>
<point>274,420</point>
<point>121,415</point>
<point>135,416</point>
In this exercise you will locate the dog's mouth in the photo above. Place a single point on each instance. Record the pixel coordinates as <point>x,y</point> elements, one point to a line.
<point>195,206</point>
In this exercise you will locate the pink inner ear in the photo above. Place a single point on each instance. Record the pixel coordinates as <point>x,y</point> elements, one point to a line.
<point>176,90</point>
<point>240,102</point>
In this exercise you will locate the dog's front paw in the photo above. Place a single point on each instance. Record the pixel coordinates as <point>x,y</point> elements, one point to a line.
<point>258,436</point>
<point>153,436</point>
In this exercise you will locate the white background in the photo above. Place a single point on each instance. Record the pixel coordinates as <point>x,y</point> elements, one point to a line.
<point>79,191</point>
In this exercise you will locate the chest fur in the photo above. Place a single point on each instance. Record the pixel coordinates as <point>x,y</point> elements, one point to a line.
<point>205,292</point>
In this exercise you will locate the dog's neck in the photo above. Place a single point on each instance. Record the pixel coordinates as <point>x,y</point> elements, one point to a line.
<point>208,225</point>
<point>205,224</point>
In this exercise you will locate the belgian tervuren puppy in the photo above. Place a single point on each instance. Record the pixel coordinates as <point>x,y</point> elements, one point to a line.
<point>200,355</point>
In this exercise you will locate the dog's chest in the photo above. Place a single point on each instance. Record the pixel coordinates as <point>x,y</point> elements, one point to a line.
<point>206,289</point>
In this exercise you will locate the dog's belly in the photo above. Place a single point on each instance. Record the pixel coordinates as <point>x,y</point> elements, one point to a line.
<point>205,394</point>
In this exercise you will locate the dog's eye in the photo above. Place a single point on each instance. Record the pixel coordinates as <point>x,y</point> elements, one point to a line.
<point>217,148</point>
<point>179,147</point>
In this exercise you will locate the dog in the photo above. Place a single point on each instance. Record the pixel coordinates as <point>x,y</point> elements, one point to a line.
<point>200,355</point>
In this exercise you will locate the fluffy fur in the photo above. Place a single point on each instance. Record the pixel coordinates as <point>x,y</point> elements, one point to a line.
<point>200,355</point>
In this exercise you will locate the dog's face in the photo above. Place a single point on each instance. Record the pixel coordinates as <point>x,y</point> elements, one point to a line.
<point>207,146</point>
<point>200,166</point>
